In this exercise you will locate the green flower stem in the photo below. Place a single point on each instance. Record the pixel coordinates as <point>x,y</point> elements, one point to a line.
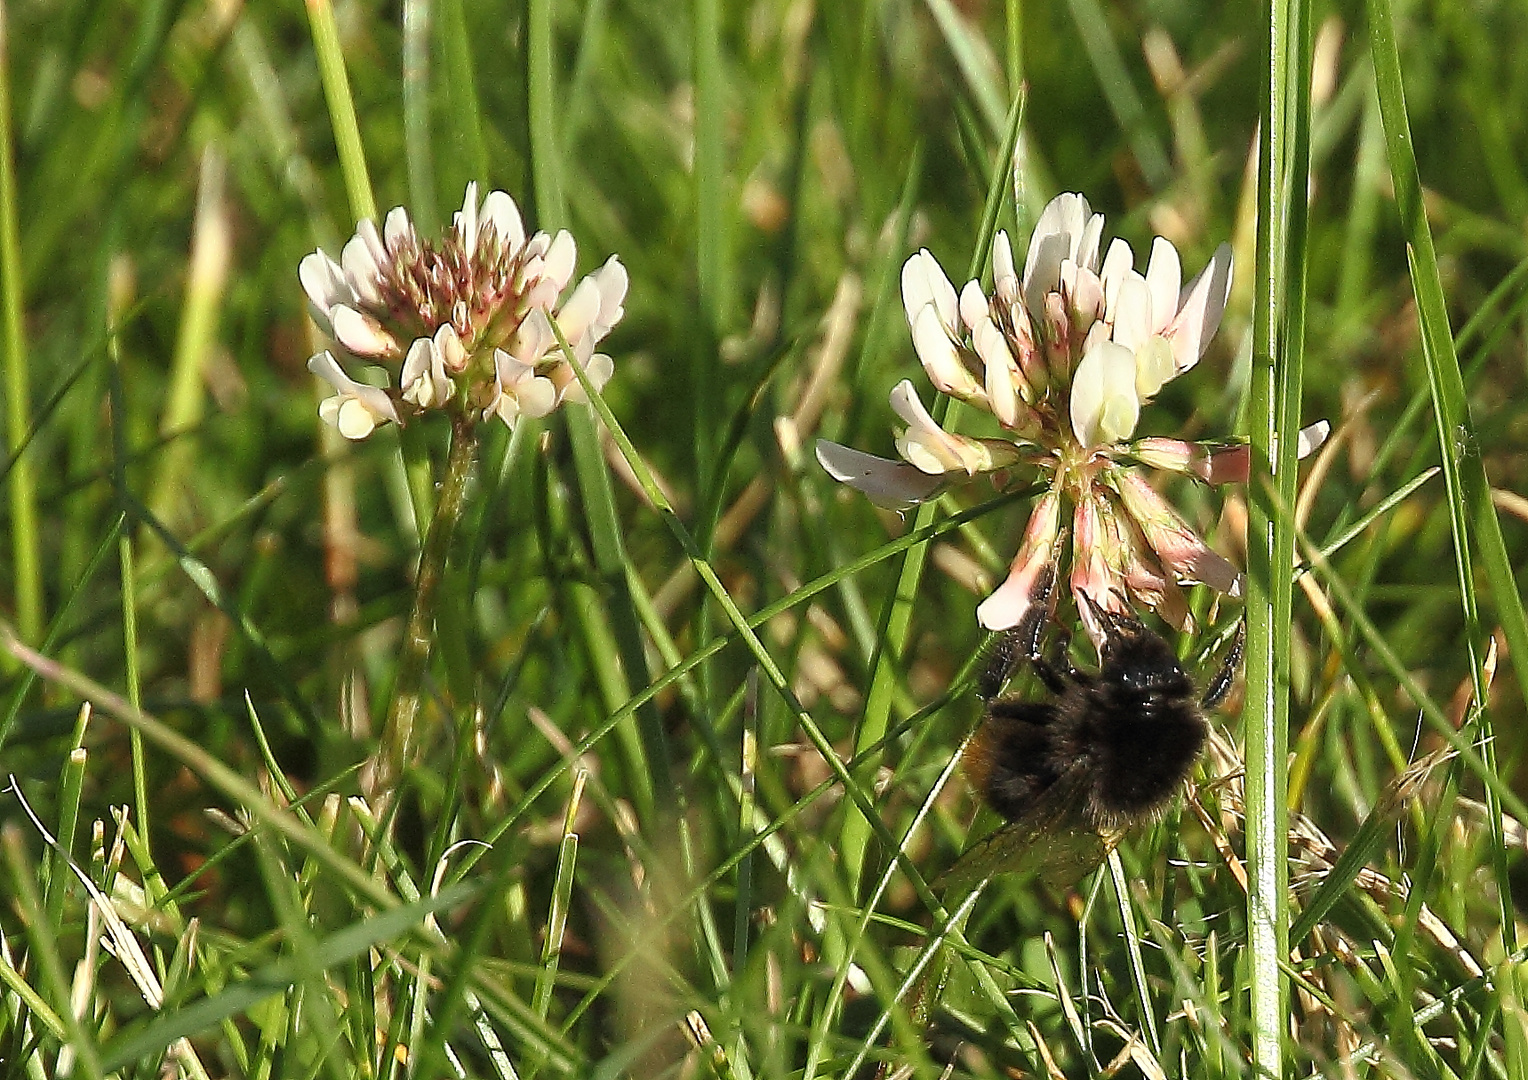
<point>398,739</point>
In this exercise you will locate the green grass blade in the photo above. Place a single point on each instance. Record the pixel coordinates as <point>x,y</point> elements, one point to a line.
<point>342,117</point>
<point>418,138</point>
<point>1273,409</point>
<point>1119,90</point>
<point>896,619</point>
<point>467,154</point>
<point>26,564</point>
<point>1472,516</point>
<point>139,1041</point>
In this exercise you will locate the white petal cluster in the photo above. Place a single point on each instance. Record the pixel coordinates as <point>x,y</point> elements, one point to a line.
<point>465,325</point>
<point>1047,343</point>
<point>1063,354</point>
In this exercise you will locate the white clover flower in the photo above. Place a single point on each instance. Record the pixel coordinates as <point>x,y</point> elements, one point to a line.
<point>440,316</point>
<point>1064,356</point>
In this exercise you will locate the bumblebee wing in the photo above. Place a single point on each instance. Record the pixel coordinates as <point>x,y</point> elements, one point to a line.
<point>1051,841</point>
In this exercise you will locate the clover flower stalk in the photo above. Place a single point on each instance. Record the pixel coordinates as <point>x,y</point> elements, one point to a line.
<point>1064,355</point>
<point>460,326</point>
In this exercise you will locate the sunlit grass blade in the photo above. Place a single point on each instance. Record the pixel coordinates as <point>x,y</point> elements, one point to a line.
<point>1472,516</point>
<point>342,116</point>
<point>44,952</point>
<point>138,1041</point>
<point>26,565</point>
<point>206,281</point>
<point>1274,414</point>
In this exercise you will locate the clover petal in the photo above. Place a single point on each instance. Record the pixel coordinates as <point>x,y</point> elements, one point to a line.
<point>1104,405</point>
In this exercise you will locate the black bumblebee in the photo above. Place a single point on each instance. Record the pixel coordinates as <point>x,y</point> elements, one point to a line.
<point>1121,742</point>
<point>1106,752</point>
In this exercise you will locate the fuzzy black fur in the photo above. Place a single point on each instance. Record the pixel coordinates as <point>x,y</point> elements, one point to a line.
<point>1134,729</point>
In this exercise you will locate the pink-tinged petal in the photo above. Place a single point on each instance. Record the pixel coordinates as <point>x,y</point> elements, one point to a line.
<point>1164,277</point>
<point>416,370</point>
<point>398,230</point>
<point>613,282</point>
<point>1014,599</point>
<point>1104,406</point>
<point>533,339</point>
<point>1173,455</point>
<point>537,396</point>
<point>1087,297</point>
<point>894,485</point>
<point>1059,233</point>
<point>1180,549</point>
<point>940,356</point>
<point>931,449</point>
<point>540,296</point>
<point>1091,577</point>
<point>374,400</point>
<point>1131,313</point>
<point>560,257</point>
<point>597,368</point>
<point>366,232</point>
<point>519,391</point>
<point>535,251</point>
<point>928,446</point>
<point>973,305</point>
<point>1043,276</point>
<point>362,259</point>
<point>924,282</point>
<point>500,209</point>
<point>1086,253</point>
<point>453,354</point>
<point>1204,301</point>
<point>574,317</point>
<point>361,334</point>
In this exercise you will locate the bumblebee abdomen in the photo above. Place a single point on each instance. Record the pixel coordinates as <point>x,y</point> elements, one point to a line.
<point>1006,762</point>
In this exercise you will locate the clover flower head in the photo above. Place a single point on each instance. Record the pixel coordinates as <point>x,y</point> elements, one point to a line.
<point>463,323</point>
<point>1064,355</point>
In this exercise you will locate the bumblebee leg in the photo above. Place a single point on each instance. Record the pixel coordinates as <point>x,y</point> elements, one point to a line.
<point>1042,601</point>
<point>1021,641</point>
<point>1057,672</point>
<point>1221,684</point>
<point>1003,658</point>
